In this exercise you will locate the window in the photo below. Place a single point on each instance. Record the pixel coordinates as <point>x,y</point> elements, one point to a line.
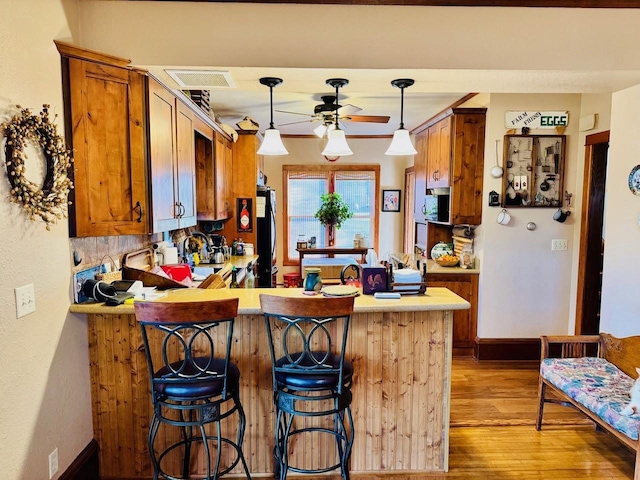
<point>358,185</point>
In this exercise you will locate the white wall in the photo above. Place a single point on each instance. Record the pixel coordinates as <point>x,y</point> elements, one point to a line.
<point>621,275</point>
<point>306,151</point>
<point>525,288</point>
<point>44,375</point>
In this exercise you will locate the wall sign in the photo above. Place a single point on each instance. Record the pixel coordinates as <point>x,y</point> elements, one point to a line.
<point>535,119</point>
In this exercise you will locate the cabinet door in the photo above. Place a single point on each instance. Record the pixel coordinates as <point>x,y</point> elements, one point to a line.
<point>464,321</point>
<point>186,166</point>
<point>420,169</point>
<point>205,171</point>
<point>223,177</point>
<point>163,164</point>
<point>439,154</point>
<point>107,111</point>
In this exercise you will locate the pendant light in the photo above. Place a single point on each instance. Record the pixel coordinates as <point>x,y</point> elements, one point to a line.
<point>272,143</point>
<point>401,143</point>
<point>323,130</point>
<point>337,145</point>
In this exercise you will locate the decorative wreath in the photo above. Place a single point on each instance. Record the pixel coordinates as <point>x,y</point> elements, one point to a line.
<point>49,202</point>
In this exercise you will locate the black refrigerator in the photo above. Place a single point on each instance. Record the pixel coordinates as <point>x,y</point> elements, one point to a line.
<point>266,237</point>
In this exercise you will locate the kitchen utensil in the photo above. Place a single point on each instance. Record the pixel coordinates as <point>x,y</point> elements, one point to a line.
<point>503,217</point>
<point>544,186</point>
<point>497,171</point>
<point>556,157</point>
<point>218,255</point>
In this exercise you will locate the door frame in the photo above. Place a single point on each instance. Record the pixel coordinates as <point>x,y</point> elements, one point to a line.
<point>590,142</point>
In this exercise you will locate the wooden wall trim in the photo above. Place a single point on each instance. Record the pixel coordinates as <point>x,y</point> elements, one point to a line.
<point>506,349</point>
<point>595,138</point>
<point>85,466</point>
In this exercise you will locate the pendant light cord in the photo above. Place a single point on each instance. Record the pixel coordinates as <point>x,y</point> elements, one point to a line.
<point>336,111</point>
<point>402,108</point>
<point>271,103</point>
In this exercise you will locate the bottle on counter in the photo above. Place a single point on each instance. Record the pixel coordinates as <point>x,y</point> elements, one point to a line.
<point>250,279</point>
<point>234,278</point>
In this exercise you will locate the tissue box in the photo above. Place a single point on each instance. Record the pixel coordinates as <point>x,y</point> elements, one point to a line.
<point>374,279</point>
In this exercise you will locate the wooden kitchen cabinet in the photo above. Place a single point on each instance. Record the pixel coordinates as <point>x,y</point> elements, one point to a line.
<point>104,125</point>
<point>171,160</point>
<point>454,149</point>
<point>213,173</point>
<point>244,165</point>
<point>439,154</point>
<point>465,322</point>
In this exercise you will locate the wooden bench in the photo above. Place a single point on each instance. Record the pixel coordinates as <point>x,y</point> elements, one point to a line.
<point>594,374</point>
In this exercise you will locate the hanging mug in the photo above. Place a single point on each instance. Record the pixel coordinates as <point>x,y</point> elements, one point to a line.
<point>503,217</point>
<point>561,216</point>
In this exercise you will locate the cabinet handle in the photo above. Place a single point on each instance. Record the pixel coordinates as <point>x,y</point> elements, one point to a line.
<point>424,209</point>
<point>183,210</point>
<point>140,211</point>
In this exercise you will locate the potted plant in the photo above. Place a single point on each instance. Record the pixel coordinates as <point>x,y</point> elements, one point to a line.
<point>333,210</point>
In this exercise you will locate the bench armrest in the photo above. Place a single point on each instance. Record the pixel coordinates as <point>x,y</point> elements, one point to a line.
<point>571,345</point>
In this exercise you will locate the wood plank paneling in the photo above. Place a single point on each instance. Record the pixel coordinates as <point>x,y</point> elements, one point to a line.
<point>400,395</point>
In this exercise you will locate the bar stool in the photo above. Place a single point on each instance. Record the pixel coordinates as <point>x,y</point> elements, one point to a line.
<point>194,386</point>
<point>311,379</point>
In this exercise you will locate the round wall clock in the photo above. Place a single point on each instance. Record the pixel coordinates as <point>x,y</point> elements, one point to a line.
<point>634,180</point>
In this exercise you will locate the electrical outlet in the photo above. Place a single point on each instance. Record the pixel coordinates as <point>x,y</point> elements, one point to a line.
<point>558,244</point>
<point>25,300</point>
<point>53,463</point>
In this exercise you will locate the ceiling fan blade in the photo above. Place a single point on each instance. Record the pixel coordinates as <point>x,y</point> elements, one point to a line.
<point>301,121</point>
<point>366,118</point>
<point>294,113</point>
<point>347,110</point>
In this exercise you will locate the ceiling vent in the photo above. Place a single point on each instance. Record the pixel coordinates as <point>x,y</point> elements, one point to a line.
<point>202,79</point>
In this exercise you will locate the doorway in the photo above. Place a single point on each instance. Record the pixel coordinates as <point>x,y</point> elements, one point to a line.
<point>408,240</point>
<point>591,235</point>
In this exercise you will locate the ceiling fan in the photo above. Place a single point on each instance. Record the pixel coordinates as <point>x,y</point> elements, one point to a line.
<point>327,110</point>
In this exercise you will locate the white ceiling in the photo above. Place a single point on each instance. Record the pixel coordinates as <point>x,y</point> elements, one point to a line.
<point>449,51</point>
<point>371,90</point>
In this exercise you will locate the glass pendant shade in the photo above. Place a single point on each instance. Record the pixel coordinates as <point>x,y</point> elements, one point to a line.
<point>337,145</point>
<point>272,143</point>
<point>401,144</point>
<point>323,130</point>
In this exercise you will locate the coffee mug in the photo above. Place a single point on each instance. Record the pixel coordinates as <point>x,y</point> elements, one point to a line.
<point>503,217</point>
<point>561,216</point>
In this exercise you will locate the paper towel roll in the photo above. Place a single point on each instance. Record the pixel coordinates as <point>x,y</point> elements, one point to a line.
<point>170,256</point>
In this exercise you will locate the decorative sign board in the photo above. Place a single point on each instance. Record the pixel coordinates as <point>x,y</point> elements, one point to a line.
<point>535,119</point>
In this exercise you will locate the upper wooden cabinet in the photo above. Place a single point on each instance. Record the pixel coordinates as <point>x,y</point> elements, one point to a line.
<point>213,173</point>
<point>134,144</point>
<point>453,144</point>
<point>104,124</point>
<point>439,154</point>
<point>171,160</point>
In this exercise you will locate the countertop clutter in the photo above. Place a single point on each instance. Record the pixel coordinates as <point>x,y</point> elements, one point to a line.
<point>434,299</point>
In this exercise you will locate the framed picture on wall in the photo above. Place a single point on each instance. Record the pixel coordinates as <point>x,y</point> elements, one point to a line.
<point>390,200</point>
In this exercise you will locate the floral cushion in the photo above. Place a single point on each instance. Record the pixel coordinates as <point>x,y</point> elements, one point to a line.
<point>596,384</point>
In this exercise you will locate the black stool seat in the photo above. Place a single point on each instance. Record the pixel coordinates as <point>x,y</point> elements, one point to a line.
<point>311,387</point>
<point>306,374</point>
<point>192,387</point>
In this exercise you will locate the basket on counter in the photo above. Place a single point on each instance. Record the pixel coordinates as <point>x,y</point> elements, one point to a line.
<point>448,261</point>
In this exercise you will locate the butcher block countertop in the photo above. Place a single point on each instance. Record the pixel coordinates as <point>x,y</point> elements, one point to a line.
<point>433,299</point>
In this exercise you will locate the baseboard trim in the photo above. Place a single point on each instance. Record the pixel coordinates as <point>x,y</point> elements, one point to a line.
<point>506,349</point>
<point>85,466</point>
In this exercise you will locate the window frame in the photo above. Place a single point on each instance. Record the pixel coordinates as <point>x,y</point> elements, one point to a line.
<point>326,168</point>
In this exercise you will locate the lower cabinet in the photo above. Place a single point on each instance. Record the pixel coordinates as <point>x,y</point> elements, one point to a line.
<point>465,322</point>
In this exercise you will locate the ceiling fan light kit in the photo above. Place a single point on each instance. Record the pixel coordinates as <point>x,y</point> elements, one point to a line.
<point>337,144</point>
<point>272,143</point>
<point>401,143</point>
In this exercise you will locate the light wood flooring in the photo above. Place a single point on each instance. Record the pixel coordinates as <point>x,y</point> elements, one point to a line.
<point>492,436</point>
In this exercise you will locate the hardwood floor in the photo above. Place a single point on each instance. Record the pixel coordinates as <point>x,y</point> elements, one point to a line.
<point>493,409</point>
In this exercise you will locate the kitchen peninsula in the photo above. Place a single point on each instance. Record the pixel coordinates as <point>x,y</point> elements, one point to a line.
<point>401,351</point>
